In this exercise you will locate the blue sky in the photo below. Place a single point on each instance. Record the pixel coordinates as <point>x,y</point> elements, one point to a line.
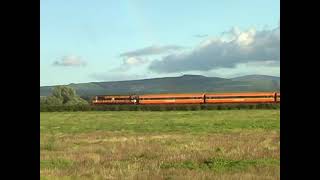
<point>98,40</point>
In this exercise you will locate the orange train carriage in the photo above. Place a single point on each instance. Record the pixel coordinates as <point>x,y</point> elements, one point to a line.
<point>171,99</point>
<point>193,98</point>
<point>241,98</point>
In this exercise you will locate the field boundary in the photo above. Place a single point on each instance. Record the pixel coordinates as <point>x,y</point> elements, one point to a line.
<point>175,107</point>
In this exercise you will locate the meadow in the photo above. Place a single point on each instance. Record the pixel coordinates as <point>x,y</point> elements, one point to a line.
<point>216,144</point>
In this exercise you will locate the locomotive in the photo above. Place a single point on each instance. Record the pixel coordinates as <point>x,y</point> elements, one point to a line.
<point>192,98</point>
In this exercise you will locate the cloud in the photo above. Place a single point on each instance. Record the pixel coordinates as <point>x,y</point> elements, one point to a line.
<point>231,48</point>
<point>72,60</point>
<point>131,61</point>
<point>151,50</point>
<point>130,69</point>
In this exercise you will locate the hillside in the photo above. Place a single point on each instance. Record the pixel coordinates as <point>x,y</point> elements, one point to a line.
<point>182,84</point>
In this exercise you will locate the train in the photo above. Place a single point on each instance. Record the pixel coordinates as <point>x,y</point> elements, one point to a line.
<point>191,98</point>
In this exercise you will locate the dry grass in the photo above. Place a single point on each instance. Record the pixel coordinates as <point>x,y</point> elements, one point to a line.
<point>241,154</point>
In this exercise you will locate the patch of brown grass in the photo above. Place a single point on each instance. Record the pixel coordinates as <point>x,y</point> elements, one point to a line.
<point>113,155</point>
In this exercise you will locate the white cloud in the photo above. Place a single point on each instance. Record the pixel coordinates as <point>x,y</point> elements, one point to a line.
<point>134,61</point>
<point>151,50</point>
<point>71,60</point>
<point>246,38</point>
<point>131,62</point>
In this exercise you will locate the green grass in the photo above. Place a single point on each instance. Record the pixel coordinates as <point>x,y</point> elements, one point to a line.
<point>55,163</point>
<point>220,164</point>
<point>164,122</point>
<point>224,144</point>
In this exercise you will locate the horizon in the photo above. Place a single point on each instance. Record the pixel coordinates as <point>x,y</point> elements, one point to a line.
<point>103,41</point>
<point>159,78</point>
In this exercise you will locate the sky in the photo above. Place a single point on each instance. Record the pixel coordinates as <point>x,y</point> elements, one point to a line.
<point>90,41</point>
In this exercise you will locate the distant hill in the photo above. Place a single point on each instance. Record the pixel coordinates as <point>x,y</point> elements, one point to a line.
<point>181,84</point>
<point>256,78</point>
<point>261,81</point>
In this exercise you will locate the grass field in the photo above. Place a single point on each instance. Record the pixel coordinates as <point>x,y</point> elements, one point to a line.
<point>221,144</point>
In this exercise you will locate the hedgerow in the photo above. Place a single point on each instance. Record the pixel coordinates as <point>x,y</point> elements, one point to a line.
<point>173,107</point>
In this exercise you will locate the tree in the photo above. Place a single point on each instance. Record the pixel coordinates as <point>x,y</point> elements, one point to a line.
<point>54,101</point>
<point>63,95</point>
<point>42,100</point>
<point>76,101</point>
